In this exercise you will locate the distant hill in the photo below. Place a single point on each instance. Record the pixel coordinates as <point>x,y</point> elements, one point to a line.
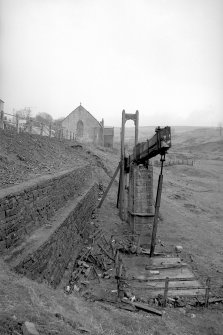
<point>179,133</point>
<point>188,142</point>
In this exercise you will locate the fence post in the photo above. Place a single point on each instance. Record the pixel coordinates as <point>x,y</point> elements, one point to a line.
<point>2,120</point>
<point>41,129</point>
<point>17,123</point>
<point>29,126</point>
<point>50,129</point>
<point>165,295</point>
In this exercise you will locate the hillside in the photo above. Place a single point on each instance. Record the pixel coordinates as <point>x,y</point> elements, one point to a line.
<point>191,216</point>
<point>24,156</point>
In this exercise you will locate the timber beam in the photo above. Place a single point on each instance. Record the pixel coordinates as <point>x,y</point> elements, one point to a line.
<point>158,144</point>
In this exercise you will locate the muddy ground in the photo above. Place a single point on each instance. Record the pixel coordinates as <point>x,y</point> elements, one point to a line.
<point>191,216</point>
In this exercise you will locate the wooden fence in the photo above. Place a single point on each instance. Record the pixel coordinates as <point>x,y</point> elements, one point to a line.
<point>22,124</point>
<point>174,162</point>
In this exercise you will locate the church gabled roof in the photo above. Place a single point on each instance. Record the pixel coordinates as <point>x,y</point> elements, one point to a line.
<point>81,107</point>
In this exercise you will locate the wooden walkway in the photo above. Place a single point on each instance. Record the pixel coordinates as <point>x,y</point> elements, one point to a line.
<point>147,276</point>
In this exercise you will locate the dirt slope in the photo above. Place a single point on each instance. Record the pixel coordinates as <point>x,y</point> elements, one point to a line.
<point>24,156</point>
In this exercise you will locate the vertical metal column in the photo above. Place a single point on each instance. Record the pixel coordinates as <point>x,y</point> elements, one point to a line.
<point>136,127</point>
<point>122,169</point>
<point>123,175</point>
<point>157,206</point>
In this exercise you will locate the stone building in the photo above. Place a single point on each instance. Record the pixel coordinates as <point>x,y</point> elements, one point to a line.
<point>1,114</point>
<point>108,137</point>
<point>1,105</point>
<point>82,126</point>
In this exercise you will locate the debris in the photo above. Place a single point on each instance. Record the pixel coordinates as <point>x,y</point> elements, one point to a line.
<point>178,248</point>
<point>182,310</point>
<point>85,282</point>
<point>141,277</point>
<point>83,330</point>
<point>29,328</point>
<point>133,249</point>
<point>127,294</point>
<point>82,263</point>
<point>76,288</point>
<point>210,301</point>
<point>126,305</point>
<point>207,291</point>
<point>87,272</point>
<point>166,291</point>
<point>139,251</point>
<point>98,275</point>
<point>67,289</point>
<point>133,298</point>
<point>106,253</point>
<point>165,266</point>
<point>154,272</point>
<point>146,308</point>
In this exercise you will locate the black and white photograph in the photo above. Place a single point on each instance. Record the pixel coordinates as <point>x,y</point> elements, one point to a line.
<point>111,167</point>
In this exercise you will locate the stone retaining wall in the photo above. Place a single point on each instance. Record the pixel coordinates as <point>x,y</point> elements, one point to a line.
<point>27,206</point>
<point>51,259</point>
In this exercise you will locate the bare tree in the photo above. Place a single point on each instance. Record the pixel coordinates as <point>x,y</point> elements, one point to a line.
<point>44,118</point>
<point>24,113</point>
<point>58,122</point>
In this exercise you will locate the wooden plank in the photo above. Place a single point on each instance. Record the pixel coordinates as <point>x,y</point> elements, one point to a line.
<point>109,186</point>
<point>155,280</point>
<point>172,284</point>
<point>165,294</point>
<point>105,252</point>
<point>164,260</point>
<point>161,141</point>
<point>171,273</point>
<point>144,260</point>
<point>166,266</point>
<point>146,308</point>
<point>154,288</point>
<point>175,273</point>
<point>172,293</point>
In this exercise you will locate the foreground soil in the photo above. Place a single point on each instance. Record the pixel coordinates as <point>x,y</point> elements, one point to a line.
<point>191,216</point>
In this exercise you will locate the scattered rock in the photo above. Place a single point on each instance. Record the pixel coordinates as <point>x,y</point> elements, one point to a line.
<point>67,289</point>
<point>178,248</point>
<point>29,328</point>
<point>133,249</point>
<point>182,310</point>
<point>82,263</point>
<point>83,330</point>
<point>76,288</point>
<point>154,272</point>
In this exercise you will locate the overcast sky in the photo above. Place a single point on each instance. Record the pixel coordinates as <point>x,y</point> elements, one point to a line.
<point>162,57</point>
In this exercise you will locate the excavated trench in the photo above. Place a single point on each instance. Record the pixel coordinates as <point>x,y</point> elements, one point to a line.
<point>44,223</point>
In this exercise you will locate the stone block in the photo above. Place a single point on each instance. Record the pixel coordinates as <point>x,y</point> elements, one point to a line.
<point>29,328</point>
